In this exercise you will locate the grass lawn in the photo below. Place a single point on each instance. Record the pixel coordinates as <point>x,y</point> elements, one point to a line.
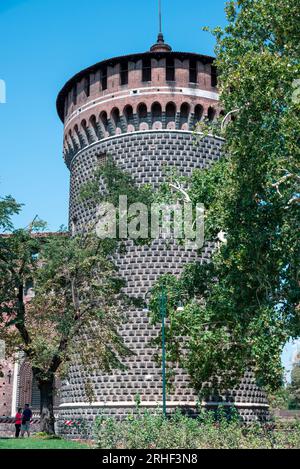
<point>39,443</point>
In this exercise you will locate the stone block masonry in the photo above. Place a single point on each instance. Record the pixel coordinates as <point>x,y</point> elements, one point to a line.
<point>144,155</point>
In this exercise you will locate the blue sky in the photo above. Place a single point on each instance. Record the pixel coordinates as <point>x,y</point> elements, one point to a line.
<point>45,42</point>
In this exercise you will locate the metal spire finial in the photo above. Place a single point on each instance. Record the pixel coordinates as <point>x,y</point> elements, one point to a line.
<point>160,45</point>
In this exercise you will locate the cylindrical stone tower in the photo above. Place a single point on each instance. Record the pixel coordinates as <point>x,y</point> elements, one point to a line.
<point>141,110</point>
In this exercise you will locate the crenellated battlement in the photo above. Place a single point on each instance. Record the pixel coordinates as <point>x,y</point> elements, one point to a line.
<point>150,70</point>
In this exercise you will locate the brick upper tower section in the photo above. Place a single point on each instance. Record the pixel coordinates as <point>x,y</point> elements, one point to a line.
<point>159,89</point>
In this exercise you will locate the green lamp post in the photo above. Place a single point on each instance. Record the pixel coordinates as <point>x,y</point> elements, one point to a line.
<point>163,315</point>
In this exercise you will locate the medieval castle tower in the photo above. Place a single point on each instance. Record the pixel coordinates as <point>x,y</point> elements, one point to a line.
<point>141,110</point>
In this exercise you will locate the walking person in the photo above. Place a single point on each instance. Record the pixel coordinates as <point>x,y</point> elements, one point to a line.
<point>18,422</point>
<point>26,417</point>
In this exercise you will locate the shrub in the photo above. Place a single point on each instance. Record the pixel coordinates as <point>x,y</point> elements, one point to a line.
<point>145,430</point>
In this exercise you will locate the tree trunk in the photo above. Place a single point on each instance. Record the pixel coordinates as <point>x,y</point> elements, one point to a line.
<point>46,388</point>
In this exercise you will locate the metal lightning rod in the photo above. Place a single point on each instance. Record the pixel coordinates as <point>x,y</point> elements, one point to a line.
<point>160,20</point>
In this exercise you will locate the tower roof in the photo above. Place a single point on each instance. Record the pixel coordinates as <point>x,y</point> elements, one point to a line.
<point>160,45</point>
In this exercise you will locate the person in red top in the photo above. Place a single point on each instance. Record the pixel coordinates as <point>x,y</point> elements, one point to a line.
<point>18,422</point>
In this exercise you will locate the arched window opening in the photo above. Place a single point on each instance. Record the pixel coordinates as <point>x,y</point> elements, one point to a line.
<point>104,123</point>
<point>170,69</point>
<point>128,113</point>
<point>146,70</point>
<point>74,139</point>
<point>198,113</point>
<point>170,115</point>
<point>184,116</point>
<point>211,114</point>
<point>104,119</point>
<point>80,138</point>
<point>156,112</point>
<point>142,116</point>
<point>116,121</point>
<point>88,132</point>
<point>142,111</point>
<point>83,128</point>
<point>94,126</point>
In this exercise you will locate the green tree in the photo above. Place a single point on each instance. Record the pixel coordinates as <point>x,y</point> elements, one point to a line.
<point>294,387</point>
<point>242,308</point>
<point>8,208</point>
<point>76,309</point>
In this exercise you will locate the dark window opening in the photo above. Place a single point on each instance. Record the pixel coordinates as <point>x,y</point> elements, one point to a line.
<point>170,113</point>
<point>128,113</point>
<point>170,70</point>
<point>87,86</point>
<point>193,71</point>
<point>198,113</point>
<point>214,76</point>
<point>66,107</point>
<point>104,120</point>
<point>146,70</point>
<point>156,112</point>
<point>74,95</point>
<point>184,114</point>
<point>115,117</point>
<point>142,111</point>
<point>211,114</point>
<point>104,79</point>
<point>124,74</point>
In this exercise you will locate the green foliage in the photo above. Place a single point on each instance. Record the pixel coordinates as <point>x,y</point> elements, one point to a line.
<point>77,294</point>
<point>243,307</point>
<point>114,182</point>
<point>76,309</point>
<point>40,443</point>
<point>144,430</point>
<point>294,387</point>
<point>80,425</point>
<point>279,400</point>
<point>8,208</point>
